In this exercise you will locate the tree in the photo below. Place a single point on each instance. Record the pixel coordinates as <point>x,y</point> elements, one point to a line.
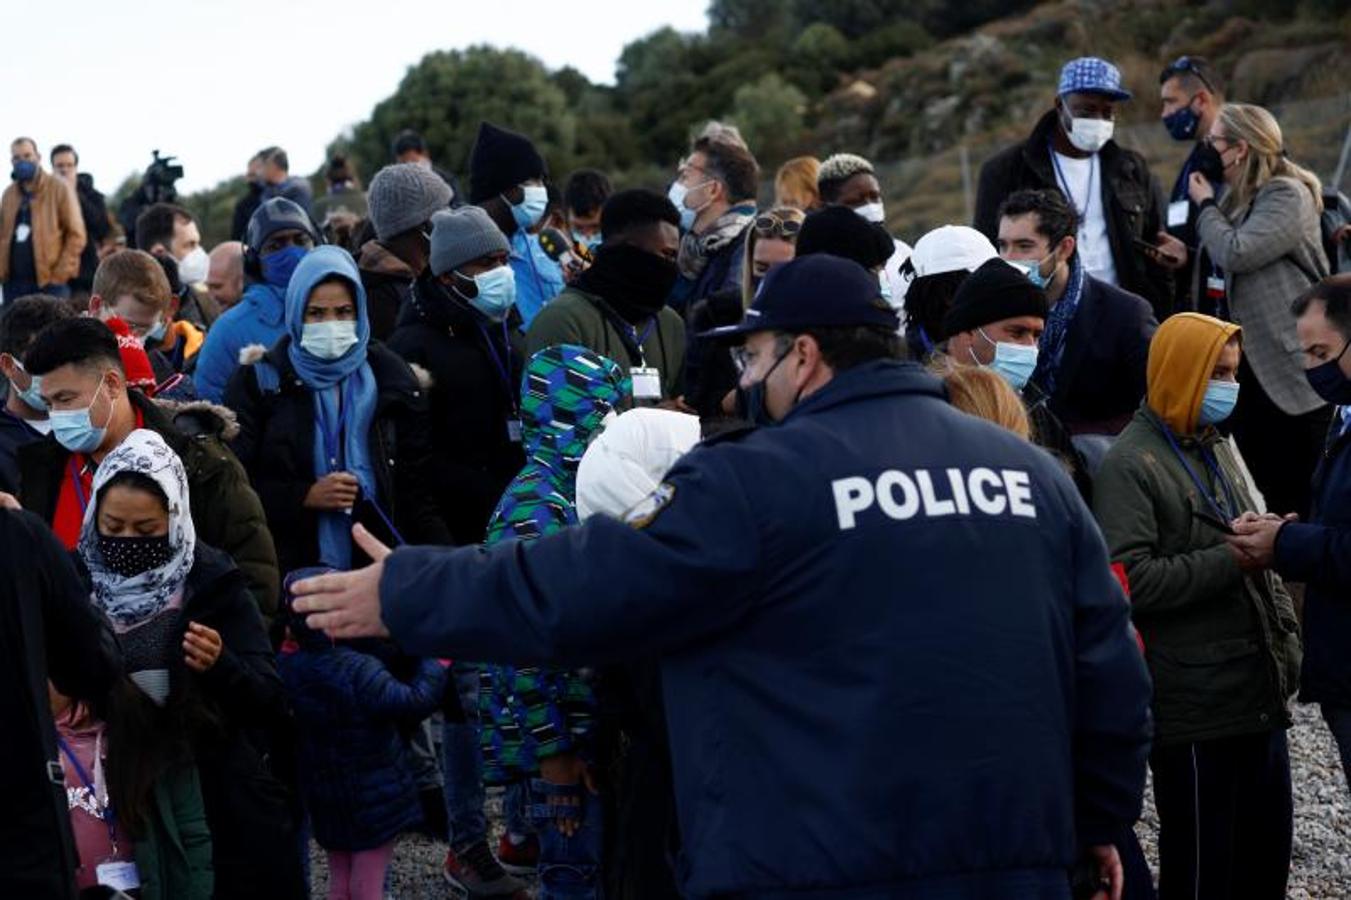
<point>769,113</point>
<point>819,51</point>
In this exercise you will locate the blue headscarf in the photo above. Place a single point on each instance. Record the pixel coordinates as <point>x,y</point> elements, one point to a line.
<point>344,394</point>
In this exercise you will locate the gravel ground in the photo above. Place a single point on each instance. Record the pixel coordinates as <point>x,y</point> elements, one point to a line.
<point>1320,869</point>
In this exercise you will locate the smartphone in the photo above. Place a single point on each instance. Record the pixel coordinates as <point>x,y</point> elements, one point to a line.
<point>1152,251</point>
<point>1214,522</point>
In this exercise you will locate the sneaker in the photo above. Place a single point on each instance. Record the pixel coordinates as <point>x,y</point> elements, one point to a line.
<point>519,859</point>
<point>475,872</point>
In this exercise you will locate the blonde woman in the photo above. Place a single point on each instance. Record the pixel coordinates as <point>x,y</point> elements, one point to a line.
<point>1263,237</point>
<point>985,394</point>
<point>772,239</point>
<point>795,183</point>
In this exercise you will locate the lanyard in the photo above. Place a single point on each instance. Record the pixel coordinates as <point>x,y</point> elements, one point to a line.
<point>389,523</point>
<point>640,339</point>
<point>108,816</point>
<point>333,438</point>
<point>1225,512</point>
<point>78,483</point>
<point>501,363</point>
<point>1065,184</point>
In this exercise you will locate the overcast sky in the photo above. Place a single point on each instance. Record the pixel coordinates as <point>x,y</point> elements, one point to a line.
<point>211,81</point>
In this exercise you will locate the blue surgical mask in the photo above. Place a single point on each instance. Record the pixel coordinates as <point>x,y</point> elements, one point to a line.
<point>1218,403</point>
<point>32,395</point>
<point>74,428</point>
<point>677,194</point>
<point>1032,269</point>
<point>24,170</point>
<point>156,334</point>
<point>278,267</point>
<point>1015,362</point>
<point>590,241</point>
<point>531,209</point>
<point>496,292</point>
<point>886,288</point>
<point>328,340</point>
<point>1182,123</point>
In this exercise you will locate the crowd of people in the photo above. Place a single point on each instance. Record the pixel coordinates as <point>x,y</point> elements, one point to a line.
<point>748,550</point>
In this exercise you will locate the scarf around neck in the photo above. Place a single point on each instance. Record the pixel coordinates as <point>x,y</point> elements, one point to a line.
<point>696,249</point>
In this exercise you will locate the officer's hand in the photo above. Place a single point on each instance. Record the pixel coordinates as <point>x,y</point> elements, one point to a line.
<point>335,492</point>
<point>1109,870</point>
<point>346,604</point>
<point>569,769</point>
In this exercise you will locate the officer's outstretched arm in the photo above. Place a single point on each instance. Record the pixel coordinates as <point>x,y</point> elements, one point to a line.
<point>1112,720</point>
<point>682,567</point>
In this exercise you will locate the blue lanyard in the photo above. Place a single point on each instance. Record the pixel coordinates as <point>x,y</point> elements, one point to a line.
<point>332,439</point>
<point>78,483</point>
<point>502,365</point>
<point>109,817</point>
<point>389,523</point>
<point>1230,501</point>
<point>640,339</point>
<point>1065,183</point>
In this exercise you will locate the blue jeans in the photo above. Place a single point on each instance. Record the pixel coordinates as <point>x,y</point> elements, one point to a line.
<point>462,761</point>
<point>569,867</point>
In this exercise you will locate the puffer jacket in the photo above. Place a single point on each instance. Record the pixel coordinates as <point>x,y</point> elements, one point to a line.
<point>355,773</point>
<point>533,712</point>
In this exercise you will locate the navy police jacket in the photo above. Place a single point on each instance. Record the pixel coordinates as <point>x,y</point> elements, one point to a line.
<point>895,661</point>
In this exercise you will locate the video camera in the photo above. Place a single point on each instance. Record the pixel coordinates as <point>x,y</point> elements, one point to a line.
<point>158,183</point>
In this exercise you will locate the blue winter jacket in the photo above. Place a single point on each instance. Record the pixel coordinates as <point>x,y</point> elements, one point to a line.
<point>355,774</point>
<point>895,661</point>
<point>1318,553</point>
<point>258,318</point>
<point>538,278</point>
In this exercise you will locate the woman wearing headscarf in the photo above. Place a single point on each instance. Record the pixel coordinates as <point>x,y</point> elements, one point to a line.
<point>194,644</point>
<point>333,427</point>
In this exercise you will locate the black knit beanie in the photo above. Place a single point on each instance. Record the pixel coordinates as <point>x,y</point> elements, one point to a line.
<point>840,231</point>
<point>501,160</point>
<point>994,292</point>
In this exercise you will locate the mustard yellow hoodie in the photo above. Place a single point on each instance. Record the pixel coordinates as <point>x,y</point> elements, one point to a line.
<point>1181,358</point>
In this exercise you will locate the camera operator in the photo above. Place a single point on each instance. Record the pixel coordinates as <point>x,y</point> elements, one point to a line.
<point>157,186</point>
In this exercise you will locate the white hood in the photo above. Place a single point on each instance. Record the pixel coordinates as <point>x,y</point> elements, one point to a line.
<point>629,459</point>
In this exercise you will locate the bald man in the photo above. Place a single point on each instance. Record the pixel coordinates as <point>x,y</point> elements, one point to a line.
<point>225,274</point>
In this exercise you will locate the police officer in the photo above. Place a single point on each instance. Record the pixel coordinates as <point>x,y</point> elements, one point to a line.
<point>895,661</point>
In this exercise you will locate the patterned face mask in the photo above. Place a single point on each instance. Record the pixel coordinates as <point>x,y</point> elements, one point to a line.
<point>131,556</point>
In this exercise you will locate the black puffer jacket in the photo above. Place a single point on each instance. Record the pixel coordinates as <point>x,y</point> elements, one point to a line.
<point>276,446</point>
<point>471,402</point>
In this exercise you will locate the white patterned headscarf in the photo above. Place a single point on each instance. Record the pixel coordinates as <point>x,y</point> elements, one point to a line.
<point>129,601</point>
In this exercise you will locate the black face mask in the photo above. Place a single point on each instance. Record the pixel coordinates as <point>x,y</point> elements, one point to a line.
<point>1329,381</point>
<point>1206,160</point>
<point>751,402</point>
<point>132,556</point>
<point>634,282</point>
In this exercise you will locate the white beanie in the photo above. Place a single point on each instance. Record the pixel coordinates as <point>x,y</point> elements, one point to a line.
<point>629,459</point>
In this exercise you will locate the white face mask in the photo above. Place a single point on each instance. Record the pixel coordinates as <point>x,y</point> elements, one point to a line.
<point>329,340</point>
<point>872,212</point>
<point>1091,135</point>
<point>192,268</point>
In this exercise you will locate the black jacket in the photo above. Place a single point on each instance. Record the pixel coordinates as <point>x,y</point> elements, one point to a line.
<point>388,281</point>
<point>14,433</point>
<point>94,211</point>
<point>245,207</point>
<point>1131,195</point>
<point>48,629</point>
<point>247,809</point>
<point>474,458</point>
<point>276,446</point>
<point>1102,373</point>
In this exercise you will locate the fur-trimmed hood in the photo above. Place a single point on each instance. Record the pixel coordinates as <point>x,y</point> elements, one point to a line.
<point>197,418</point>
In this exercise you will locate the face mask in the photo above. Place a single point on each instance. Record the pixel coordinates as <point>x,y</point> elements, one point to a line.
<point>278,267</point>
<point>74,429</point>
<point>328,340</point>
<point>886,288</point>
<point>1182,123</point>
<point>1206,160</point>
<point>156,334</point>
<point>636,283</point>
<point>531,208</point>
<point>24,170</point>
<point>752,399</point>
<point>192,268</point>
<point>1218,402</point>
<point>1032,269</point>
<point>1329,381</point>
<point>872,212</point>
<point>132,556</point>
<point>32,395</point>
<point>589,241</point>
<point>1090,135</point>
<point>677,195</point>
<point>496,292</point>
<point>1015,362</point>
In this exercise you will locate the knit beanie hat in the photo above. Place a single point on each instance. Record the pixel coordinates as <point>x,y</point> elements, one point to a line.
<point>501,160</point>
<point>461,235</point>
<point>404,196</point>
<point>994,292</point>
<point>839,231</point>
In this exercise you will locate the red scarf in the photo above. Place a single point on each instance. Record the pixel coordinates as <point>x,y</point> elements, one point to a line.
<point>77,480</point>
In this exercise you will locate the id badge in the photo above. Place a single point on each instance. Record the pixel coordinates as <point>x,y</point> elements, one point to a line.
<point>120,876</point>
<point>646,383</point>
<point>514,430</point>
<point>1214,286</point>
<point>1177,213</point>
<point>21,232</point>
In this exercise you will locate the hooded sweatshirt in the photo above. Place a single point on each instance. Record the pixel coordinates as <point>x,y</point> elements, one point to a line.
<point>1222,645</point>
<point>529,712</point>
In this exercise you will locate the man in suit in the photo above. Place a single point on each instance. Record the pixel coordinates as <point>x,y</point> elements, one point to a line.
<point>1092,355</point>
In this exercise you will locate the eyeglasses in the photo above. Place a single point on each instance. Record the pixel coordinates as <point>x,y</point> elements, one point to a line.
<point>1185,65</point>
<point>770,225</point>
<point>1210,139</point>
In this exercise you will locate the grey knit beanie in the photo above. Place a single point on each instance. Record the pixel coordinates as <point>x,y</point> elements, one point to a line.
<point>461,235</point>
<point>404,196</point>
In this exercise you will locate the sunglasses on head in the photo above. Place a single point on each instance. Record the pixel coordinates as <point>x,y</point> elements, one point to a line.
<point>1185,65</point>
<point>769,225</point>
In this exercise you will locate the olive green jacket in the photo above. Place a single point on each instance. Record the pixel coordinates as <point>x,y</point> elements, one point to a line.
<point>174,857</point>
<point>1223,647</point>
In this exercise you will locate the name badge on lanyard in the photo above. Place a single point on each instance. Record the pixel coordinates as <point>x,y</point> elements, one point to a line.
<point>1177,213</point>
<point>1214,287</point>
<point>21,232</point>
<point>514,430</point>
<point>120,876</point>
<point>646,383</point>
